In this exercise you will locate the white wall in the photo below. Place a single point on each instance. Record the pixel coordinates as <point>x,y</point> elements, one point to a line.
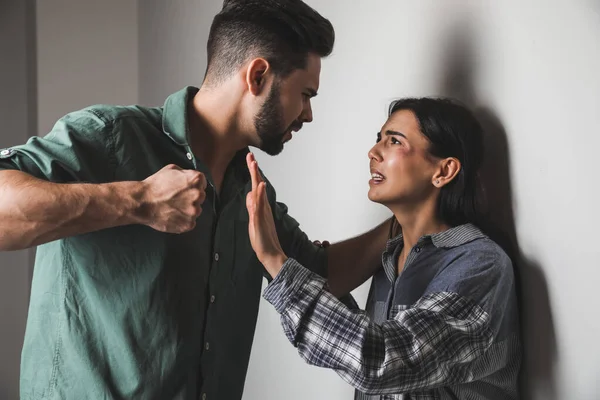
<point>55,57</point>
<point>87,54</point>
<point>532,69</point>
<point>18,116</point>
<point>172,46</point>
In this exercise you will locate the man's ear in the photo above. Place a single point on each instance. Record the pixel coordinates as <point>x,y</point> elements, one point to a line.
<point>256,74</point>
<point>448,169</point>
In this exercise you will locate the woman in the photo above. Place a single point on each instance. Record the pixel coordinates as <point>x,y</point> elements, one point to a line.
<point>441,319</point>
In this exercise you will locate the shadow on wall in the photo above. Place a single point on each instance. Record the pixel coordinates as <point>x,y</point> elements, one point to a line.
<point>537,326</point>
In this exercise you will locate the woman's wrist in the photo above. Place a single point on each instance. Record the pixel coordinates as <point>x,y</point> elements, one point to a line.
<point>273,263</point>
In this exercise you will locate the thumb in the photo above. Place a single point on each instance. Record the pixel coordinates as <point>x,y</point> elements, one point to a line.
<point>172,166</point>
<point>262,196</point>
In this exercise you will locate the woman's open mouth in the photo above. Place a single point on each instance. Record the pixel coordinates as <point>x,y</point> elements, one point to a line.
<point>376,177</point>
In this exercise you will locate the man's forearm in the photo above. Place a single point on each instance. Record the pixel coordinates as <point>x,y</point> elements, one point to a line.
<point>353,261</point>
<point>33,212</point>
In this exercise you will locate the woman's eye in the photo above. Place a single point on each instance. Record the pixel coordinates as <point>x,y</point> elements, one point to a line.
<point>395,141</point>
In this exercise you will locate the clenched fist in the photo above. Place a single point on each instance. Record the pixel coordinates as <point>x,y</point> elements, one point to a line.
<point>172,199</point>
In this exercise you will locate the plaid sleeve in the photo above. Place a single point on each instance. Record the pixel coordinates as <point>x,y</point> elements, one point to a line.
<point>429,345</point>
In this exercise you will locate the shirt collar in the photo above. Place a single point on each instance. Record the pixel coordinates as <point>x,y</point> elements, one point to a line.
<point>175,125</point>
<point>175,115</point>
<point>457,236</point>
<point>450,238</point>
<point>242,174</point>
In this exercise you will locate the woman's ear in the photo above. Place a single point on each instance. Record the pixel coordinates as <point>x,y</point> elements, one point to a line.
<point>256,73</point>
<point>447,171</point>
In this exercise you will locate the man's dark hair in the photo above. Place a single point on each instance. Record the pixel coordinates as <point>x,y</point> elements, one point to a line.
<point>283,32</point>
<point>452,131</point>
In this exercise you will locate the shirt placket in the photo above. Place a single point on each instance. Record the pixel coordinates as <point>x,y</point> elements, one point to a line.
<point>393,259</point>
<point>212,290</point>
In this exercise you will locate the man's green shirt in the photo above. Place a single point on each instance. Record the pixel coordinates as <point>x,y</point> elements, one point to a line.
<point>130,312</point>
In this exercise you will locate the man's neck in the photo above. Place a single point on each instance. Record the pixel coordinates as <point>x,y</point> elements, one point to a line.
<point>215,134</point>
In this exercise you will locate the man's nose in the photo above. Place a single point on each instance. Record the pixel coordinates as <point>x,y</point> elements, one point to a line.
<point>307,115</point>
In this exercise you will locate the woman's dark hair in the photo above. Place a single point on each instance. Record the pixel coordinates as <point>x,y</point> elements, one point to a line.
<point>452,131</point>
<point>283,32</point>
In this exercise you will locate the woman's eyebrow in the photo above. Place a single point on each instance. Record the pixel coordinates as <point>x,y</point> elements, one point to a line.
<point>395,133</point>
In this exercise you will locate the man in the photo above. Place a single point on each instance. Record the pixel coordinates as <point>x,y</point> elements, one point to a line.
<point>145,284</point>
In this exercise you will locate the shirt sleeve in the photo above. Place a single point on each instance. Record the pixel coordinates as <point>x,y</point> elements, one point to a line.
<point>79,148</point>
<point>294,242</point>
<point>433,343</point>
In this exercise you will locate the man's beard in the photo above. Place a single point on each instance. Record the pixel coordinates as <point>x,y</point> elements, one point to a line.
<point>269,123</point>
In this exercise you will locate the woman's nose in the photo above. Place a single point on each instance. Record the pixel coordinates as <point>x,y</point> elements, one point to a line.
<point>374,153</point>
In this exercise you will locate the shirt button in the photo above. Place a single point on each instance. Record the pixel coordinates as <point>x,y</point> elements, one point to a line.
<point>189,156</point>
<point>216,256</point>
<point>418,249</point>
<point>5,152</point>
<point>212,298</point>
<point>207,346</point>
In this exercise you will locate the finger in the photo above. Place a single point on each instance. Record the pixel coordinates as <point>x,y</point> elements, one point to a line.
<point>251,161</point>
<point>259,178</point>
<point>256,178</point>
<point>262,196</point>
<point>250,203</point>
<point>188,226</point>
<point>172,166</point>
<point>203,181</point>
<point>254,172</point>
<point>202,197</point>
<point>197,179</point>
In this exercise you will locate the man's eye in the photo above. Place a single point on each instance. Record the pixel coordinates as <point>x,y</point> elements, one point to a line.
<point>378,138</point>
<point>395,141</point>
